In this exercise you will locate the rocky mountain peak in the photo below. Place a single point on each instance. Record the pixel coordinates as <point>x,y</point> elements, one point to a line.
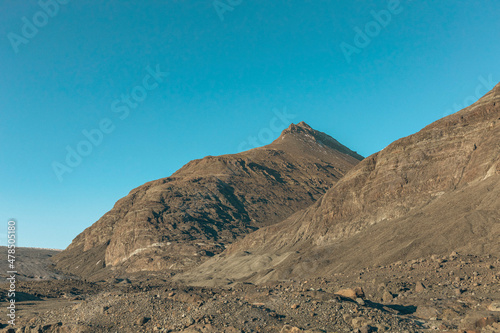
<point>302,134</point>
<point>177,222</point>
<point>299,128</point>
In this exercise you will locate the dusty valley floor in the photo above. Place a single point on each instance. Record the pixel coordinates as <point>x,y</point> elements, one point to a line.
<point>455,293</point>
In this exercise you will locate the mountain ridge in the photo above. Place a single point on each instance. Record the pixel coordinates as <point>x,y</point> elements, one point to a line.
<point>404,179</point>
<point>178,221</point>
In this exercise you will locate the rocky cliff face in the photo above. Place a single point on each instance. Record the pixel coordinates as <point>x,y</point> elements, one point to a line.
<point>177,222</point>
<point>432,192</point>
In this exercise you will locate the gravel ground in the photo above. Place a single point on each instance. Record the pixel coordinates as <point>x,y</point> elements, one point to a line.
<point>456,293</point>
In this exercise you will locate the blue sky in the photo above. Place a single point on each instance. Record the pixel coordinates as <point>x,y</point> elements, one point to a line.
<point>155,84</point>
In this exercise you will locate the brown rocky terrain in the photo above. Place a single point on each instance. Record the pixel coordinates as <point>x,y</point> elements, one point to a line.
<point>177,222</point>
<point>433,192</point>
<point>453,293</point>
<point>406,241</point>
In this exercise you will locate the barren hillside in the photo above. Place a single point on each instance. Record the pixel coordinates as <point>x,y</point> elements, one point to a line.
<point>179,221</point>
<point>433,192</point>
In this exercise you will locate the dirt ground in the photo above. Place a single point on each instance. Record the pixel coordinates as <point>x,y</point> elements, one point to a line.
<point>455,293</point>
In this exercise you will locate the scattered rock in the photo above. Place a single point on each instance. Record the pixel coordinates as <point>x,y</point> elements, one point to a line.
<point>360,301</point>
<point>387,297</point>
<point>494,306</point>
<point>361,323</point>
<point>426,312</point>
<point>351,293</point>
<point>142,320</point>
<point>419,287</point>
<point>290,329</point>
<point>486,321</point>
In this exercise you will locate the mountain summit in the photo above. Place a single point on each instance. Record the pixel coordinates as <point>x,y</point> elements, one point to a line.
<point>302,135</point>
<point>179,221</point>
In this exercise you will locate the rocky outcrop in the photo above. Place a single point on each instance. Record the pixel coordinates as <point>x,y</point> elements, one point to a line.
<point>176,222</point>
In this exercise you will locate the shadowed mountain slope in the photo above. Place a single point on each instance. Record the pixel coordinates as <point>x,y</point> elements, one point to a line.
<point>432,192</point>
<point>177,222</point>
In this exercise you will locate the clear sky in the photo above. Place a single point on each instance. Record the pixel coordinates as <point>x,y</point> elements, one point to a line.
<point>97,99</point>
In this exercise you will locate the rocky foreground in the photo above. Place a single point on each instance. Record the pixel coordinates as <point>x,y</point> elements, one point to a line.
<point>454,293</point>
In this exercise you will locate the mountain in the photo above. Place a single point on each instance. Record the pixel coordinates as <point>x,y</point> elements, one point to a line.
<point>177,222</point>
<point>433,192</point>
<point>33,264</point>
